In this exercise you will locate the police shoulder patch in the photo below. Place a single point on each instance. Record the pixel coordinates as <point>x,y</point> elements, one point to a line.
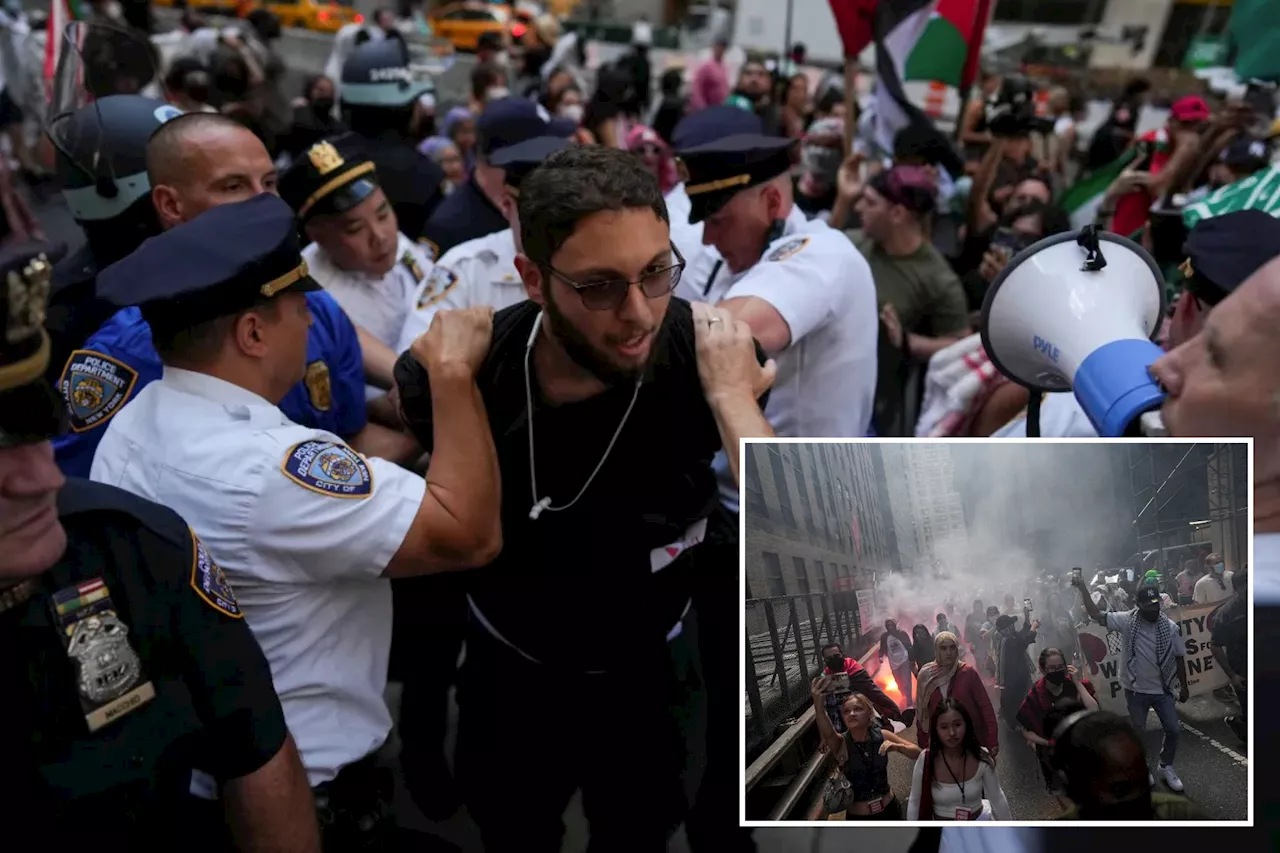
<point>95,386</point>
<point>789,248</point>
<point>328,467</point>
<point>433,250</point>
<point>439,282</point>
<point>210,583</point>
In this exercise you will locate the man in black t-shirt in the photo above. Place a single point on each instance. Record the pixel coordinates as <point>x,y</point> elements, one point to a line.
<point>1230,644</point>
<point>607,399</point>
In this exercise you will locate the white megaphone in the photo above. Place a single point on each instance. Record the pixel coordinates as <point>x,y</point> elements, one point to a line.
<point>1078,312</point>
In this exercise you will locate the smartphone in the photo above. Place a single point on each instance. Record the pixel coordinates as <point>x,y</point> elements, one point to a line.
<point>1077,574</point>
<point>839,681</point>
<point>1130,575</point>
<point>1008,240</point>
<point>1026,604</point>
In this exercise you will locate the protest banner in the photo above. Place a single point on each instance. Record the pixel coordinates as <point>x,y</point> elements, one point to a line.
<point>1103,655</point>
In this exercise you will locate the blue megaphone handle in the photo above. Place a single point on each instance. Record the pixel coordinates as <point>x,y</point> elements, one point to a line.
<point>1114,386</point>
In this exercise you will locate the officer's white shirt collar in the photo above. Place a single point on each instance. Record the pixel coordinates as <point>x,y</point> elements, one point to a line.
<point>234,398</point>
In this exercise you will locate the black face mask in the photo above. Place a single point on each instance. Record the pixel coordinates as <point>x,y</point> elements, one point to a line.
<point>835,664</point>
<point>1056,677</point>
<point>322,107</point>
<point>1151,615</point>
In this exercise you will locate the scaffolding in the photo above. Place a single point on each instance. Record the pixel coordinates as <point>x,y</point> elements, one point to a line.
<point>1188,496</point>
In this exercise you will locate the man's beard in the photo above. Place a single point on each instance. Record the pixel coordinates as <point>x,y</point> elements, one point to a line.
<point>586,356</point>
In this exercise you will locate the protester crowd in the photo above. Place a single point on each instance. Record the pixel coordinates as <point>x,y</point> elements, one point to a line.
<point>340,376</point>
<point>1024,685</point>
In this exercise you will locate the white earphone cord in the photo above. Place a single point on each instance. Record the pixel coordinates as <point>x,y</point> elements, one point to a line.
<point>544,504</point>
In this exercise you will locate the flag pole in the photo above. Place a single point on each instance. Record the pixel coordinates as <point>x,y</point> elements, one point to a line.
<point>850,103</point>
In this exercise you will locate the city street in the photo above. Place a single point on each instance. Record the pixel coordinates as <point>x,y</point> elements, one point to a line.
<point>1211,762</point>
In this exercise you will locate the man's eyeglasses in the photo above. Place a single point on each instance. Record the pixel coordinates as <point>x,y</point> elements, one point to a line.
<point>607,294</point>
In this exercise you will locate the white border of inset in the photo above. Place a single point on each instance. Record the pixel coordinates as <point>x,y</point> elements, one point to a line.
<point>742,630</point>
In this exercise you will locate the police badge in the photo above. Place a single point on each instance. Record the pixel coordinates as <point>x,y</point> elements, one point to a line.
<point>318,387</point>
<point>109,676</point>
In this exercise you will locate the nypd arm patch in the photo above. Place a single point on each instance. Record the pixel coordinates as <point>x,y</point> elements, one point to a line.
<point>439,283</point>
<point>95,386</point>
<point>209,582</point>
<point>328,467</point>
<point>789,248</point>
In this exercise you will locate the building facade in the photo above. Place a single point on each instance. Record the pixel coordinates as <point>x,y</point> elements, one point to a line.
<point>938,513</point>
<point>815,518</point>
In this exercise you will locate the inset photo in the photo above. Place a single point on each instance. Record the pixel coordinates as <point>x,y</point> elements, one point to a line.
<point>1014,631</point>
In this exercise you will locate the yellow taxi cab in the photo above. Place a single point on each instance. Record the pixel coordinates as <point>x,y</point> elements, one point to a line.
<point>462,24</point>
<point>324,16</point>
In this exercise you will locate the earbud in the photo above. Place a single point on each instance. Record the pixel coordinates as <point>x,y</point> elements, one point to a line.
<point>537,508</point>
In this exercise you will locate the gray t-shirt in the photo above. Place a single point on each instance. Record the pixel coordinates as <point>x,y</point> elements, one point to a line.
<point>1143,675</point>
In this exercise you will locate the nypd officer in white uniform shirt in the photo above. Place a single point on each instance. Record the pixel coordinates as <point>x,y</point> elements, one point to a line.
<point>693,131</point>
<point>307,530</point>
<point>358,253</point>
<point>483,271</point>
<point>801,286</point>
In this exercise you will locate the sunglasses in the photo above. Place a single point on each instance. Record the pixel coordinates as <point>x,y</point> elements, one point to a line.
<point>608,294</point>
<point>648,150</point>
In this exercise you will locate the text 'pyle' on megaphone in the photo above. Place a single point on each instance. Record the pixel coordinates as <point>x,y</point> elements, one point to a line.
<point>1079,311</point>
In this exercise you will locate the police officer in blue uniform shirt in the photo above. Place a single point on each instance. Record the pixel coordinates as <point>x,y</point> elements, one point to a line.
<point>309,530</point>
<point>101,156</point>
<point>138,709</point>
<point>118,361</point>
<point>379,98</point>
<point>474,209</point>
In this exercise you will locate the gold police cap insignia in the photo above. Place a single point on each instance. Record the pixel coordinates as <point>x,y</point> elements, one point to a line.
<point>28,294</point>
<point>325,157</point>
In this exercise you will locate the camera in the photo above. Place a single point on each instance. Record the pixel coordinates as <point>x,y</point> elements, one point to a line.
<point>1011,112</point>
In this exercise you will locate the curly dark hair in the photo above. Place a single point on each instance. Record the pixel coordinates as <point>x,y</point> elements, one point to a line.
<point>573,184</point>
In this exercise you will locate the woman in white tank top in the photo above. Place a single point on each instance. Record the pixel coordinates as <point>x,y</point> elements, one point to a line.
<point>955,779</point>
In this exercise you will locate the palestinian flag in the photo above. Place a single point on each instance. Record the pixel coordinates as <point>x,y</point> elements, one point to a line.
<point>919,43</point>
<point>1083,198</point>
<point>1257,39</point>
<point>1260,191</point>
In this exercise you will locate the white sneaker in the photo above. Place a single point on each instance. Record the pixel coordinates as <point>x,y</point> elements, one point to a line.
<point>1171,778</point>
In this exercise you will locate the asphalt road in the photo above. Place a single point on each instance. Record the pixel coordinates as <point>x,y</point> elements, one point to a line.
<point>1211,762</point>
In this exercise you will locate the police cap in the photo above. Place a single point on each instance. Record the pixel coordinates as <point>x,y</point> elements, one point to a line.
<point>29,410</point>
<point>720,170</point>
<point>509,121</point>
<point>712,124</point>
<point>377,74</point>
<point>224,261</point>
<point>333,176</point>
<point>517,161</point>
<point>1223,251</point>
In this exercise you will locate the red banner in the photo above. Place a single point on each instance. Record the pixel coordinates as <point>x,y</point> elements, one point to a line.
<point>854,20</point>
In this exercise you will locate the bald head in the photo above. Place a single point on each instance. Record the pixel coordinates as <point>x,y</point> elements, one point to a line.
<point>202,160</point>
<point>1223,382</point>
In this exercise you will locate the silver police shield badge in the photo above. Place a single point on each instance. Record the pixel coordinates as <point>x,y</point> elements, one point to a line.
<point>107,665</point>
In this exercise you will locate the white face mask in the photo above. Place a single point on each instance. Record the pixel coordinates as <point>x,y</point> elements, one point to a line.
<point>497,93</point>
<point>502,60</point>
<point>113,10</point>
<point>573,112</point>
